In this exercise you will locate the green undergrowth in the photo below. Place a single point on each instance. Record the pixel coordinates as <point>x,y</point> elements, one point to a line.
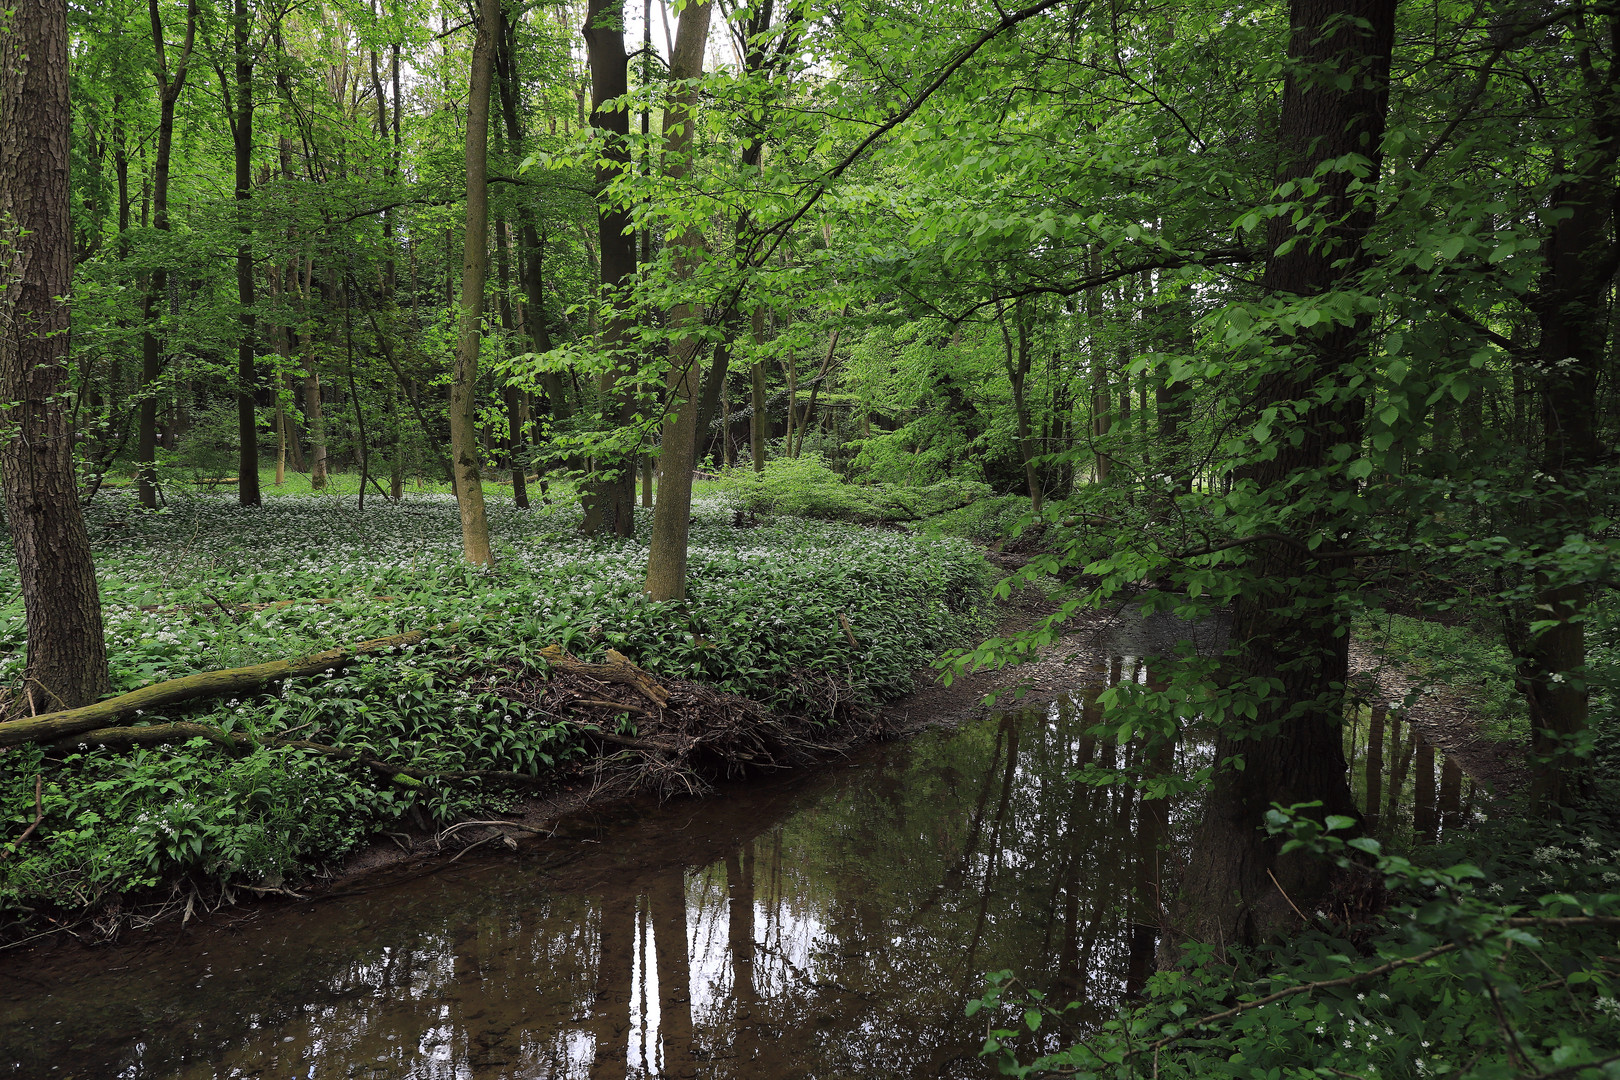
<point>1495,960</point>
<point>200,587</point>
<point>806,487</point>
<point>987,520</point>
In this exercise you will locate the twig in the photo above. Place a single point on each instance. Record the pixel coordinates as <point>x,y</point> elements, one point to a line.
<point>498,824</point>
<point>1570,1069</point>
<point>612,705</point>
<point>1286,897</point>
<point>1303,988</point>
<point>39,815</point>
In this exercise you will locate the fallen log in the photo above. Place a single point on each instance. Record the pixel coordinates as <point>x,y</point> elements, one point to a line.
<point>618,669</point>
<point>124,738</point>
<point>203,684</point>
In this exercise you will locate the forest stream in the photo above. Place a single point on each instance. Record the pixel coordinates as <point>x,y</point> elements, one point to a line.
<point>831,922</point>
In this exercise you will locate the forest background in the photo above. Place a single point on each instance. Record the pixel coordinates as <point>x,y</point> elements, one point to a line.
<point>1296,313</point>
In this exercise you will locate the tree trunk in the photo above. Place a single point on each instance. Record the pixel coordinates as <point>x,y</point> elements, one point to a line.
<point>531,245</point>
<point>1286,624</point>
<point>610,498</point>
<point>1102,416</point>
<point>66,665</point>
<point>247,428</point>
<point>1171,399</point>
<point>464,382</point>
<point>672,513</point>
<point>169,87</point>
<point>511,396</point>
<point>757,423</point>
<point>1572,309</point>
<point>317,427</point>
<point>1018,364</point>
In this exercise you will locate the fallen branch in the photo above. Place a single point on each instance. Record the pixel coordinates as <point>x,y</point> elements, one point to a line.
<point>621,706</point>
<point>203,684</point>
<point>646,746</point>
<point>618,669</point>
<point>39,815</point>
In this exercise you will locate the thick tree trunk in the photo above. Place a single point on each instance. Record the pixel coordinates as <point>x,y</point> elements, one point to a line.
<point>1572,308</point>
<point>672,513</point>
<point>610,499</point>
<point>67,652</point>
<point>1287,625</point>
<point>464,382</point>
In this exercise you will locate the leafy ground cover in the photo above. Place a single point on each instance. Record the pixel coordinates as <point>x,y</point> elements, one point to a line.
<point>806,487</point>
<point>207,585</point>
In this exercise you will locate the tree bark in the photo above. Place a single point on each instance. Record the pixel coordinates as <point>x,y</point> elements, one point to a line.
<point>1286,624</point>
<point>672,513</point>
<point>67,652</point>
<point>464,382</point>
<point>610,499</point>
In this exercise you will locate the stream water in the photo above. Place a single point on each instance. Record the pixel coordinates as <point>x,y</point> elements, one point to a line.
<point>830,923</point>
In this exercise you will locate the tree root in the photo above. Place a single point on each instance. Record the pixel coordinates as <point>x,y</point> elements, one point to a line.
<point>203,684</point>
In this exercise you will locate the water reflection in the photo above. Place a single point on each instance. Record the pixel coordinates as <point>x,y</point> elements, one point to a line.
<point>831,924</point>
<point>1409,791</point>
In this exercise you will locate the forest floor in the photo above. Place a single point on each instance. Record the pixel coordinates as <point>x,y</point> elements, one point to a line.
<point>207,585</point>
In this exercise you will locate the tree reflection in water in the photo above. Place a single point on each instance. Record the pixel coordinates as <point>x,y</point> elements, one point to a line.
<point>830,924</point>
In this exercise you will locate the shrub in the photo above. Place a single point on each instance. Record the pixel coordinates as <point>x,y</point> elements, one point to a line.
<point>806,487</point>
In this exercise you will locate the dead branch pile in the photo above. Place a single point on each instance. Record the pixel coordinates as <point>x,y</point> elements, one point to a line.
<point>684,735</point>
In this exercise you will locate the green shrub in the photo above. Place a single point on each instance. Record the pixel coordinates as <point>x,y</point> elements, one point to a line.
<point>986,520</point>
<point>806,487</point>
